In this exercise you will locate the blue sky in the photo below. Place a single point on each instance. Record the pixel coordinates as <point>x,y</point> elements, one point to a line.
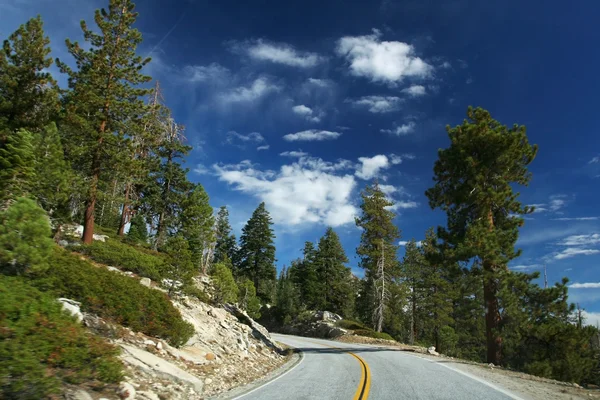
<point>301,104</point>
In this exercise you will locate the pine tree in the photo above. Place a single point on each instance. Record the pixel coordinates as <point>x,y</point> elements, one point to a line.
<point>413,268</point>
<point>257,253</point>
<point>105,94</point>
<point>138,231</point>
<point>180,268</point>
<point>54,177</point>
<point>473,185</point>
<point>225,244</point>
<point>197,226</point>
<point>304,275</point>
<point>226,290</point>
<point>25,242</point>
<point>247,298</point>
<point>17,170</point>
<point>287,298</point>
<point>377,249</point>
<point>28,95</point>
<point>333,276</point>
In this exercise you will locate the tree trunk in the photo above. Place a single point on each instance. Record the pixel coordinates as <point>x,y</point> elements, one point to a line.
<point>88,223</point>
<point>492,315</point>
<point>125,212</point>
<point>413,322</point>
<point>380,291</point>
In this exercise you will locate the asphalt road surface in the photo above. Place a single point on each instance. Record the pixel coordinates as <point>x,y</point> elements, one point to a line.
<point>334,370</point>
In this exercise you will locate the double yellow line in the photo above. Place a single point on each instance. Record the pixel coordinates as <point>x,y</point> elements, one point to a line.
<point>362,392</point>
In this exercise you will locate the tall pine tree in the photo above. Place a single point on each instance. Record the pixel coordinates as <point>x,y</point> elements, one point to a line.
<point>257,253</point>
<point>473,185</point>
<point>197,227</point>
<point>105,94</point>
<point>225,246</point>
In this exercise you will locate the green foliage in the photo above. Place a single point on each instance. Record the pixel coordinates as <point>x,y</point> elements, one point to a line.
<point>304,274</point>
<point>352,325</point>
<point>225,245</point>
<point>41,346</point>
<point>197,226</point>
<point>152,265</point>
<point>138,231</point>
<point>115,297</point>
<point>25,242</point>
<point>28,95</point>
<point>226,290</point>
<point>373,334</point>
<point>257,253</point>
<point>194,291</point>
<point>247,298</point>
<point>16,165</point>
<point>287,298</point>
<point>448,340</point>
<point>179,267</point>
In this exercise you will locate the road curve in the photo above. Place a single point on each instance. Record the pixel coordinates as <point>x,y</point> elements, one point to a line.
<point>335,370</point>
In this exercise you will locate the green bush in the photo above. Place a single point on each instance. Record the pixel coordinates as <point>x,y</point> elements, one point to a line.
<point>129,258</point>
<point>373,334</point>
<point>226,290</point>
<point>41,346</point>
<point>25,238</point>
<point>114,297</point>
<point>247,298</point>
<point>353,325</point>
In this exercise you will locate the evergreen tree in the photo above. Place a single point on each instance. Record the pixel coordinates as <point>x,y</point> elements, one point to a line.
<point>180,268</point>
<point>413,271</point>
<point>287,298</point>
<point>303,274</point>
<point>105,94</point>
<point>55,180</point>
<point>226,290</point>
<point>333,276</point>
<point>25,242</point>
<point>197,226</point>
<point>473,186</point>
<point>377,249</point>
<point>247,298</point>
<point>225,244</point>
<point>17,170</point>
<point>138,231</point>
<point>257,253</point>
<point>28,95</point>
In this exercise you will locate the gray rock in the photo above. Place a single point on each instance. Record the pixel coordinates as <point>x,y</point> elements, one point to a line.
<point>432,351</point>
<point>149,343</point>
<point>72,307</point>
<point>113,269</point>
<point>78,395</point>
<point>159,345</point>
<point>63,243</point>
<point>147,395</point>
<point>146,282</point>
<point>258,331</point>
<point>126,391</point>
<point>101,238</point>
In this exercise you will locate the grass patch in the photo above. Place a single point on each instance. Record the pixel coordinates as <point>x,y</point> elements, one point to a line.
<point>114,297</point>
<point>143,262</point>
<point>42,347</point>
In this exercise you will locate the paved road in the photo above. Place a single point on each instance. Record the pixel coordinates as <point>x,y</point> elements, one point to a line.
<point>334,370</point>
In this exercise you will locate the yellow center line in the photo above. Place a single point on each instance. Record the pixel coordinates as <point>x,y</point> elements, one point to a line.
<point>362,392</point>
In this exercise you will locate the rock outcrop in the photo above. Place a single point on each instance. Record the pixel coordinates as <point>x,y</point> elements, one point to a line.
<point>322,324</point>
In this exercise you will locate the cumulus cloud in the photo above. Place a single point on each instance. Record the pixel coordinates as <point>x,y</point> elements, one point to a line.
<point>213,73</point>
<point>312,135</point>
<point>296,154</point>
<point>307,191</point>
<point>279,53</point>
<point>581,240</point>
<point>415,91</point>
<point>381,61</point>
<point>401,130</point>
<point>586,285</point>
<point>370,167</point>
<point>572,252</point>
<point>379,104</point>
<point>259,88</point>
<point>591,318</point>
<point>308,113</point>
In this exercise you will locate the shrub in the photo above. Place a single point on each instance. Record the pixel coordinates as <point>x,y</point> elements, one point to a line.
<point>114,297</point>
<point>373,334</point>
<point>25,242</point>
<point>129,258</point>
<point>247,298</point>
<point>41,346</point>
<point>226,291</point>
<point>353,325</point>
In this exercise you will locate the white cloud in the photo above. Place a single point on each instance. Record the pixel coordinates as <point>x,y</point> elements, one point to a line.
<point>594,160</point>
<point>212,73</point>
<point>576,219</point>
<point>319,82</point>
<point>446,65</point>
<point>572,252</point>
<point>381,61</point>
<point>525,267</point>
<point>401,205</point>
<point>201,169</point>
<point>415,90</point>
<point>396,159</point>
<point>405,242</point>
<point>379,104</point>
<point>281,53</point>
<point>370,167</point>
<point>297,154</point>
<point>308,113</point>
<point>586,285</point>
<point>540,207</point>
<point>259,88</point>
<point>305,192</point>
<point>264,147</point>
<point>581,240</point>
<point>591,318</point>
<point>401,130</point>
<point>388,189</point>
<point>233,136</point>
<point>311,135</point>
<point>555,203</point>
